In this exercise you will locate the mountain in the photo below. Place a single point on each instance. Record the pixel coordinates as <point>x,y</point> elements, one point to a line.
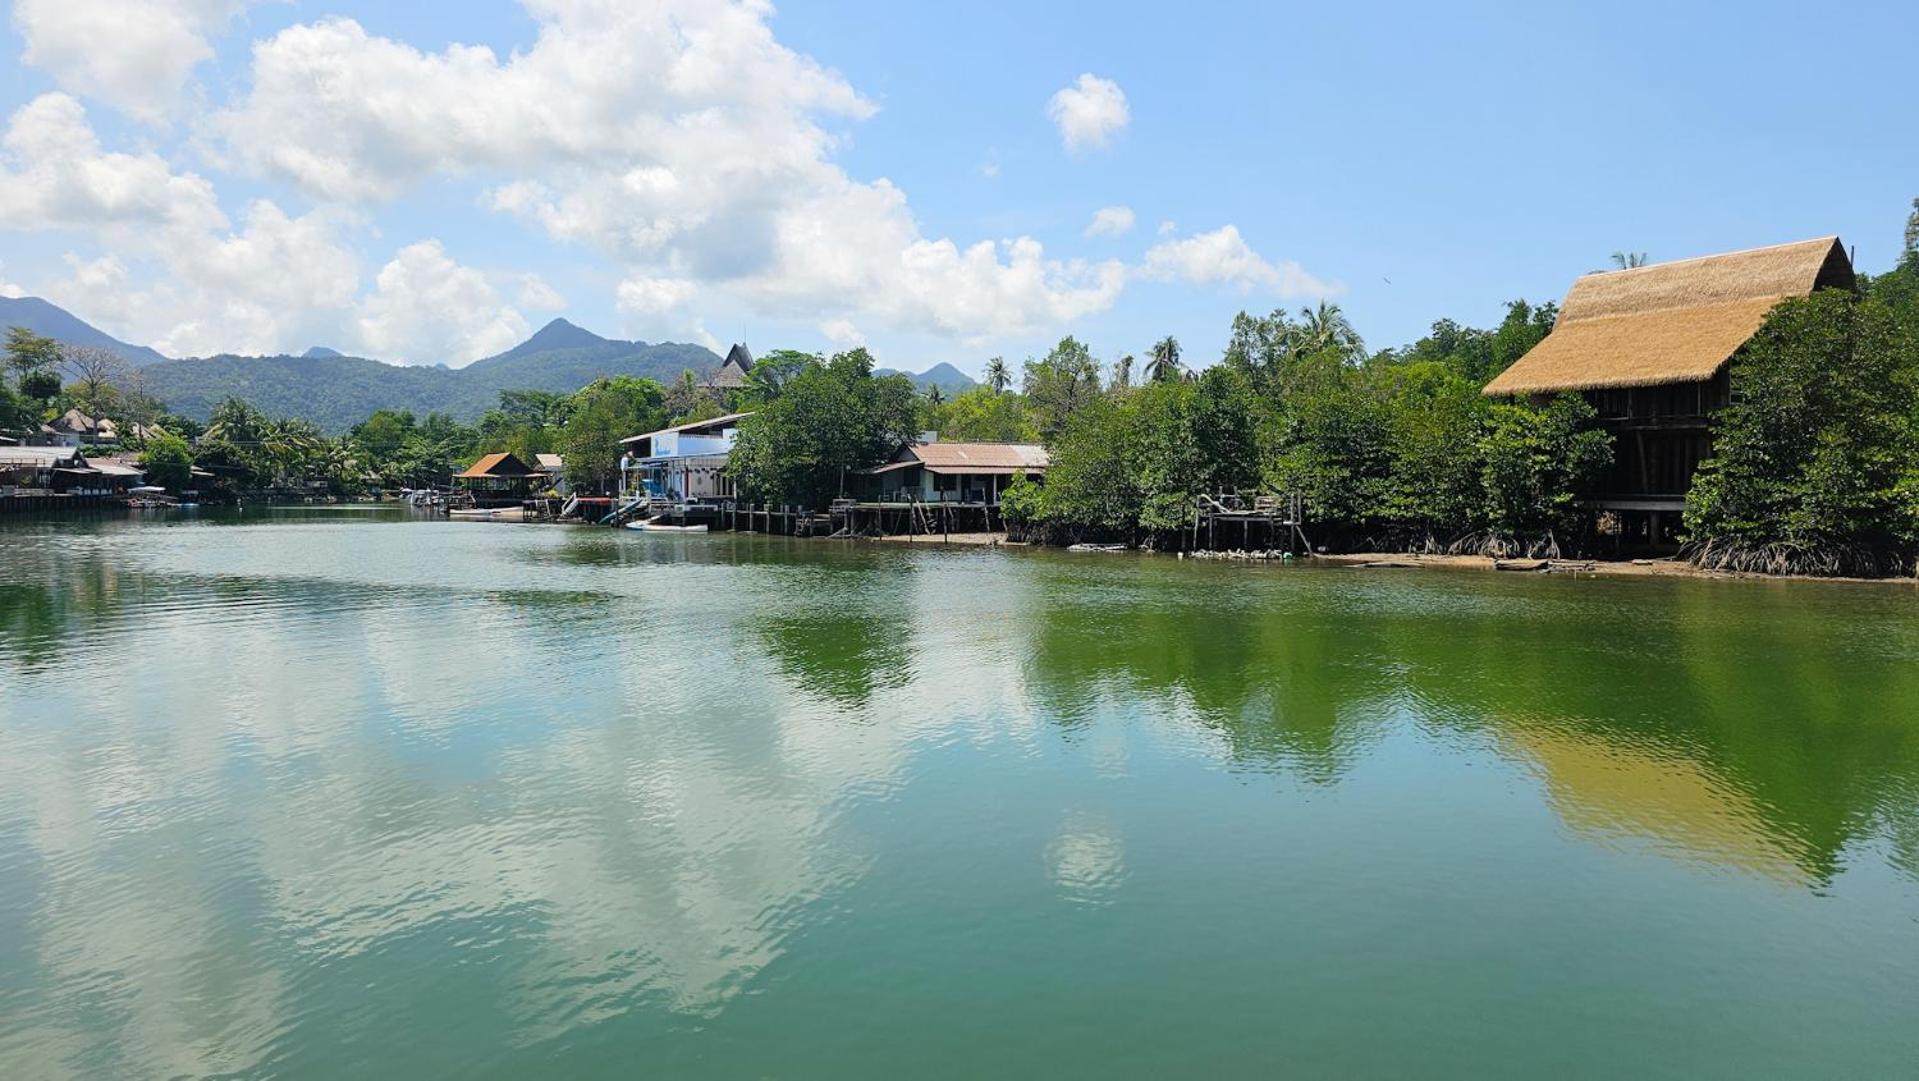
<point>949,379</point>
<point>321,352</point>
<point>338,392</point>
<point>61,325</point>
<point>558,334</point>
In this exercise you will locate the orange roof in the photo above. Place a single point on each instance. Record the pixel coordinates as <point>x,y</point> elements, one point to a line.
<point>503,464</point>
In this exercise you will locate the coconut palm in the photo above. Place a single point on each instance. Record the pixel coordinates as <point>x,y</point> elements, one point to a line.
<point>1123,372</point>
<point>1325,327</point>
<point>997,375</point>
<point>1628,260</point>
<point>1163,367</point>
<point>934,395</point>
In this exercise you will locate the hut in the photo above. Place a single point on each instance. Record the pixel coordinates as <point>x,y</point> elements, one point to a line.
<point>975,473</point>
<point>499,480</point>
<point>1650,349</point>
<point>731,374</point>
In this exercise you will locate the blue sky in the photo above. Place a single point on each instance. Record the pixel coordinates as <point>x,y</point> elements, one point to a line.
<point>821,174</point>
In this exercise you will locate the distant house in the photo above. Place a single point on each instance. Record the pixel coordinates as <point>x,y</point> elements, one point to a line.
<point>1651,347</point>
<point>74,428</point>
<point>934,472</point>
<point>684,463</point>
<point>731,374</point>
<point>554,466</point>
<point>499,480</point>
<point>47,468</point>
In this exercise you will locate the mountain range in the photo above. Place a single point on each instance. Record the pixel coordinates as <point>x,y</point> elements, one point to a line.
<point>337,391</point>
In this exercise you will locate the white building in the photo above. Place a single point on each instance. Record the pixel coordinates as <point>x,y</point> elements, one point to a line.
<point>685,463</point>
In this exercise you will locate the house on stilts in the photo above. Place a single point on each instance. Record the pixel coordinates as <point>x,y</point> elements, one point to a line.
<point>1650,348</point>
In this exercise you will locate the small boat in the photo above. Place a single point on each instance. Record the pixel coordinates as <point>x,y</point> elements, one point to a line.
<point>1096,548</point>
<point>662,527</point>
<point>489,514</point>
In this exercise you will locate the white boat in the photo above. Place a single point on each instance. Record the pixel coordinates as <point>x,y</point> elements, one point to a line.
<point>662,527</point>
<point>489,514</point>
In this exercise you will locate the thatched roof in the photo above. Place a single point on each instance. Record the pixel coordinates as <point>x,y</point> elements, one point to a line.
<point>1676,322</point>
<point>732,371</point>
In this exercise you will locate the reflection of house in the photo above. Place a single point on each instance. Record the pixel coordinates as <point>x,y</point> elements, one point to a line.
<point>1650,349</point>
<point>499,480</point>
<point>956,472</point>
<point>731,374</point>
<point>686,462</point>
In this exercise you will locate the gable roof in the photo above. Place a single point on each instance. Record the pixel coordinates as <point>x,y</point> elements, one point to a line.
<point>977,458</point>
<point>695,427</point>
<point>732,371</point>
<point>503,464</point>
<point>550,462</point>
<point>1677,322</point>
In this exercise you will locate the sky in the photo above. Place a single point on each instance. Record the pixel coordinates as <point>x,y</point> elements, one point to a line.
<point>430,182</point>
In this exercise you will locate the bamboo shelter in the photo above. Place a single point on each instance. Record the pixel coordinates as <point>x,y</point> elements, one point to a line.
<point>1650,349</point>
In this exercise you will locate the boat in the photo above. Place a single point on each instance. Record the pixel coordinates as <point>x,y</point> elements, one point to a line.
<point>662,527</point>
<point>489,514</point>
<point>1096,548</point>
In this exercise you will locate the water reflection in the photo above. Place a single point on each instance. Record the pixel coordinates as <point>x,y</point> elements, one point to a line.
<point>554,782</point>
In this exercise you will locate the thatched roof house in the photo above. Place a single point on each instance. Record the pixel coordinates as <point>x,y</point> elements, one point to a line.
<point>1677,322</point>
<point>732,371</point>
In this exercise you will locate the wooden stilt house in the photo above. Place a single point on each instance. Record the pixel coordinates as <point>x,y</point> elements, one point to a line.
<point>1650,348</point>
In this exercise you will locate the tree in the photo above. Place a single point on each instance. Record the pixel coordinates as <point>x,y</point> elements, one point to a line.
<point>686,398</point>
<point>1538,463</point>
<point>1813,461</point>
<point>1163,366</point>
<point>1123,372</point>
<point>934,395</point>
<point>28,352</point>
<point>39,385</point>
<point>1628,260</point>
<point>601,415</point>
<point>168,461</point>
<point>1325,327</point>
<point>773,371</point>
<point>997,376</point>
<point>1060,384</point>
<point>829,420</point>
<point>94,371</point>
<point>984,416</point>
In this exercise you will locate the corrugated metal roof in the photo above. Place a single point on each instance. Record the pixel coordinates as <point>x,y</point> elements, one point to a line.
<point>692,426</point>
<point>498,465</point>
<point>952,456</point>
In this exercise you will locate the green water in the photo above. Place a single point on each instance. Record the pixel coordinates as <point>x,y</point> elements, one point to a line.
<point>342,794</point>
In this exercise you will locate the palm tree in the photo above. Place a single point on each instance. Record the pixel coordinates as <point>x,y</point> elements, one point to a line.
<point>1163,367</point>
<point>1628,260</point>
<point>997,376</point>
<point>934,395</point>
<point>1325,327</point>
<point>1123,372</point>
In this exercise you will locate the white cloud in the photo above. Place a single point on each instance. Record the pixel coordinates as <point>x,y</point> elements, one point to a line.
<point>428,309</point>
<point>653,296</point>
<point>536,295</point>
<point>842,333</point>
<point>1222,257</point>
<point>54,175</point>
<point>136,55</point>
<point>1111,221</point>
<point>1089,113</point>
<point>680,138</point>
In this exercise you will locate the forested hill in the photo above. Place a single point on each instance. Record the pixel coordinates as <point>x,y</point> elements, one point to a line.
<point>337,392</point>
<point>54,322</point>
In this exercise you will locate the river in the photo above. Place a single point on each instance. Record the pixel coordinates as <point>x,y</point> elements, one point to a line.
<point>337,792</point>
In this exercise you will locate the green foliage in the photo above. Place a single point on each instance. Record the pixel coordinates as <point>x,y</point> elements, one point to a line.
<point>983,415</point>
<point>28,352</point>
<point>1538,462</point>
<point>1060,384</point>
<point>38,385</point>
<point>772,372</point>
<point>168,461</point>
<point>599,417</point>
<point>828,421</point>
<point>1814,467</point>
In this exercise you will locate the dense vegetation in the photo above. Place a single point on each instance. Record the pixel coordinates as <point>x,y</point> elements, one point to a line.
<point>1816,468</point>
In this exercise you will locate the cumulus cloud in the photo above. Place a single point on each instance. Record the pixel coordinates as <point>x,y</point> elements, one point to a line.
<point>54,175</point>
<point>1111,221</point>
<point>9,289</point>
<point>136,55</point>
<point>653,296</point>
<point>842,333</point>
<point>426,308</point>
<point>679,138</point>
<point>1089,112</point>
<point>1222,257</point>
<point>536,295</point>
